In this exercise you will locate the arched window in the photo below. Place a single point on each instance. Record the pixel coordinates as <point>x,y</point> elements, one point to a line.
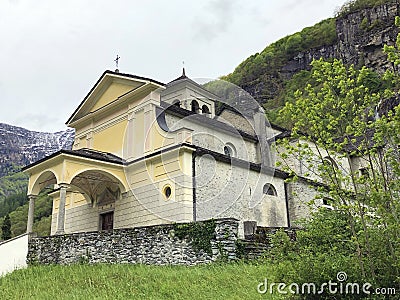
<point>177,103</point>
<point>269,189</point>
<point>229,150</point>
<point>364,173</point>
<point>205,110</point>
<point>331,173</point>
<point>195,106</point>
<point>330,162</point>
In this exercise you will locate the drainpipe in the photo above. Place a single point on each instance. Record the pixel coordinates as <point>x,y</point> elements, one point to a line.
<point>287,203</point>
<point>194,184</point>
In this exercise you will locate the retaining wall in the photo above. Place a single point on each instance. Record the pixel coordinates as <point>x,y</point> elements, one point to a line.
<point>157,245</point>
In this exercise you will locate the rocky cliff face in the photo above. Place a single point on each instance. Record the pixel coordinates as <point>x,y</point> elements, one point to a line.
<point>361,36</point>
<point>19,146</point>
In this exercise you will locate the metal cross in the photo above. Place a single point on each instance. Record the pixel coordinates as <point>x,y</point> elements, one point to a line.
<point>116,60</point>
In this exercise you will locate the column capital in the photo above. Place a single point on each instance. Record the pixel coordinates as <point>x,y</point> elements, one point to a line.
<point>63,185</point>
<point>32,196</point>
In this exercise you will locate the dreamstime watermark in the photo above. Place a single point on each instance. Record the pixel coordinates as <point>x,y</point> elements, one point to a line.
<point>340,287</point>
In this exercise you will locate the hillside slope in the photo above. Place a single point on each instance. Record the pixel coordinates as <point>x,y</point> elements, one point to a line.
<point>356,36</point>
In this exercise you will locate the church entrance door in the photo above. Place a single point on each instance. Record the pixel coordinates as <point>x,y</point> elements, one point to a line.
<point>107,221</point>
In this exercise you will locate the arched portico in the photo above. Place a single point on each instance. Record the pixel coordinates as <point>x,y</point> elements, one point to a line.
<point>69,172</point>
<point>37,183</point>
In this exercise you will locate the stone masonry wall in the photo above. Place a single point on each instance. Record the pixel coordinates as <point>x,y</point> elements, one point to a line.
<point>158,245</point>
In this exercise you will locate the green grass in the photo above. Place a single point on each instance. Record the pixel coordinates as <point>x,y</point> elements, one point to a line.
<point>104,281</point>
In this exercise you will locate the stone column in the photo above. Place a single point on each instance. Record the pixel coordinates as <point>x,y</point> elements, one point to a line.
<point>61,209</point>
<point>31,211</point>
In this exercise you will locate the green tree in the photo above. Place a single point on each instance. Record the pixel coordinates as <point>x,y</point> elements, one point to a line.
<point>334,121</point>
<point>6,228</point>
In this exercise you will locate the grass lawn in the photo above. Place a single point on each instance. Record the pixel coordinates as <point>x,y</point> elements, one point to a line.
<point>104,281</point>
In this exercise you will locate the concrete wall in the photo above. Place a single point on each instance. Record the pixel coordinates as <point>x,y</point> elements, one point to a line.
<point>158,245</point>
<point>13,254</point>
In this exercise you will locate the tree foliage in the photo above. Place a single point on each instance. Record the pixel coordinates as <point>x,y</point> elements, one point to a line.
<point>14,183</point>
<point>337,132</point>
<point>6,228</point>
<point>354,5</point>
<point>259,66</point>
<point>42,217</point>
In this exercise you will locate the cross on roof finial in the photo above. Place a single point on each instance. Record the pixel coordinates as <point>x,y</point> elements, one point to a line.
<point>116,61</point>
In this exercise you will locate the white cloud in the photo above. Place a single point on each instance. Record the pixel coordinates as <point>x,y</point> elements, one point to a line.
<point>54,51</point>
<point>215,19</point>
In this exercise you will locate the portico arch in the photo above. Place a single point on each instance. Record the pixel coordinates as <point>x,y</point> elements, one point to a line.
<point>43,180</point>
<point>86,182</point>
<point>36,185</point>
<point>97,184</point>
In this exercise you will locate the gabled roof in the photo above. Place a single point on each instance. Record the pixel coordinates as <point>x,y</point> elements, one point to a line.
<point>113,74</point>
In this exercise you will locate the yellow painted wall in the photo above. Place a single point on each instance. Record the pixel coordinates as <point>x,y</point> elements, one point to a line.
<point>159,139</point>
<point>112,93</point>
<point>69,201</point>
<point>111,139</point>
<point>35,177</point>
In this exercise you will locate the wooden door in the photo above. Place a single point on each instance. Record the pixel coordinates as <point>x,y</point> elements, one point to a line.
<point>107,221</point>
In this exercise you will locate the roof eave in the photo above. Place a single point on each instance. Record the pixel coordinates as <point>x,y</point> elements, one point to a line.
<point>66,153</point>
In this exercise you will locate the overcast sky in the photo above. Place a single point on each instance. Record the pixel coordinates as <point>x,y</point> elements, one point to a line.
<point>52,51</point>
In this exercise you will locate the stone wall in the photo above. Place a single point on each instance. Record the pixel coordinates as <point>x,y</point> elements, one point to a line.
<point>158,245</point>
<point>214,138</point>
<point>300,193</point>
<point>257,244</point>
<point>226,190</point>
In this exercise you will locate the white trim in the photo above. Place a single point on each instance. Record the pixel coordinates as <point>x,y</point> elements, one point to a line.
<point>108,106</point>
<point>110,123</point>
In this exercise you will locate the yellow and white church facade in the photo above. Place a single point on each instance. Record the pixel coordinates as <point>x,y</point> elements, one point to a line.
<point>148,153</point>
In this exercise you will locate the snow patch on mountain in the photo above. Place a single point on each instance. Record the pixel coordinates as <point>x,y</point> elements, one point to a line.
<point>20,147</point>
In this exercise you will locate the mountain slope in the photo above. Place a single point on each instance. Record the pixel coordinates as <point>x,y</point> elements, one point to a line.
<point>19,146</point>
<point>356,36</point>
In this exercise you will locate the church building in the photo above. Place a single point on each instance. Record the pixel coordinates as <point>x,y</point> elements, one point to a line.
<point>148,153</point>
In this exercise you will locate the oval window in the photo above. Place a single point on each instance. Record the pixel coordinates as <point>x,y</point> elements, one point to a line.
<point>167,192</point>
